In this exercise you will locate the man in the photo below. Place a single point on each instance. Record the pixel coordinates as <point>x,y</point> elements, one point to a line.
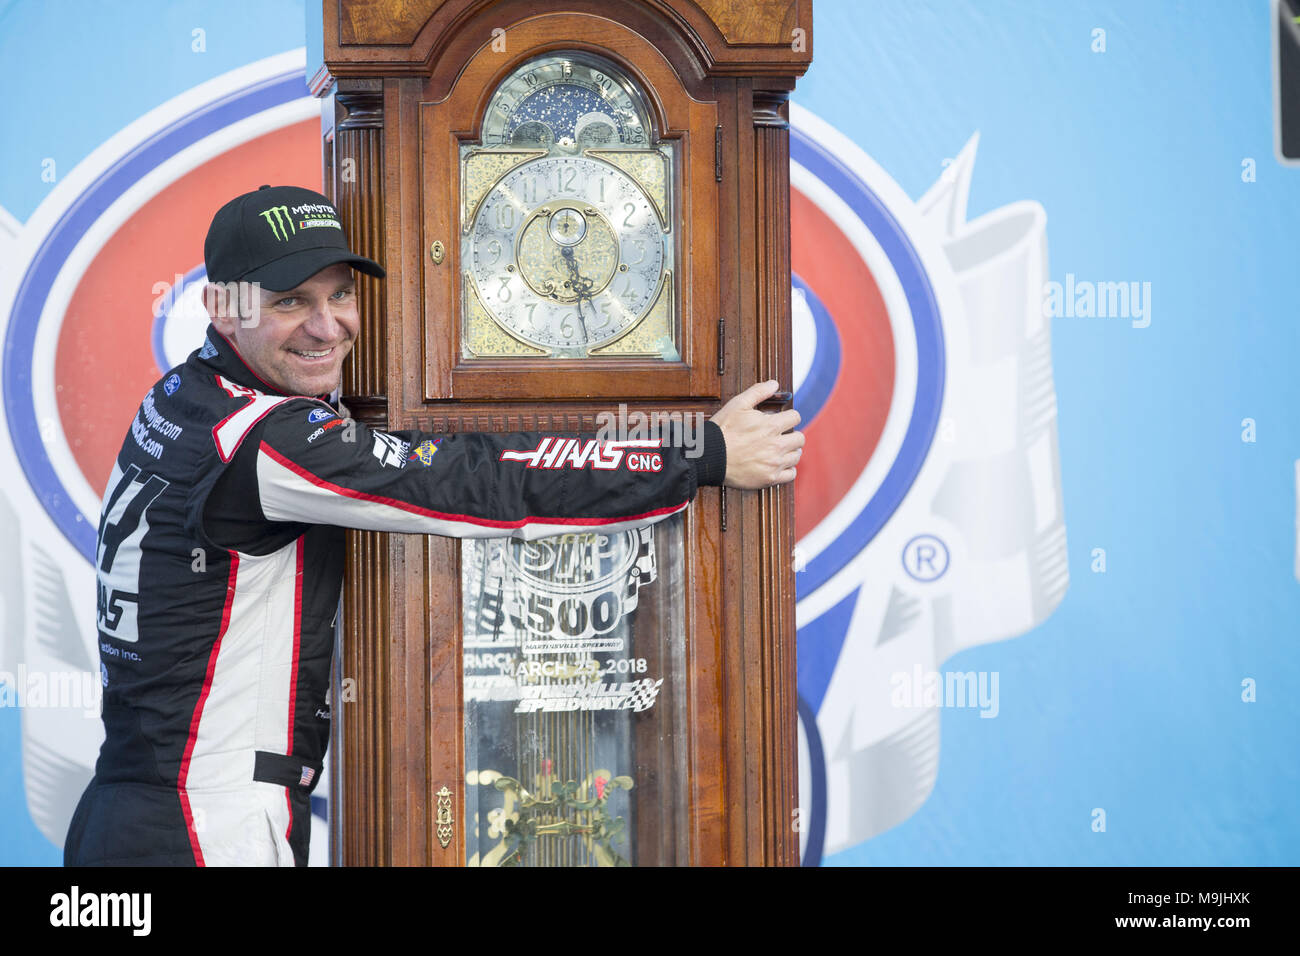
<point>220,550</point>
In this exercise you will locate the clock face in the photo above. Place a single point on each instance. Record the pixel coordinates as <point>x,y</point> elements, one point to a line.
<point>566,218</point>
<point>567,252</point>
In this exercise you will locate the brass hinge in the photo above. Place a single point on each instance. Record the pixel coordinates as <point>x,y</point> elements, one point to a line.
<point>722,506</point>
<point>722,346</point>
<point>717,153</point>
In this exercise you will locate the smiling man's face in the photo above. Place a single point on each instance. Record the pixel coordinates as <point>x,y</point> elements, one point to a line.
<point>298,339</point>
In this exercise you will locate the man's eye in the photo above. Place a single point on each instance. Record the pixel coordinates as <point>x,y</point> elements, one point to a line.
<point>343,293</point>
<point>288,301</point>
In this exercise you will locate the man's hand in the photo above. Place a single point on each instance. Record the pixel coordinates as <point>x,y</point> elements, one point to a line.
<point>761,449</point>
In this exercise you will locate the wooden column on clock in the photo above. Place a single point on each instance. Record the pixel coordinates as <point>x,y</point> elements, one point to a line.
<point>409,81</point>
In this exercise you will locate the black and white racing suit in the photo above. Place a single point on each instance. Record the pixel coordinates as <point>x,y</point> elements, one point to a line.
<point>220,562</point>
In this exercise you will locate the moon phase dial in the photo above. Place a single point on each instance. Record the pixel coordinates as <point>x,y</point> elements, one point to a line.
<point>567,100</point>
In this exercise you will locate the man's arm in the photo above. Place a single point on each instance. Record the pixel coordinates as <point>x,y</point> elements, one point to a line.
<point>304,464</point>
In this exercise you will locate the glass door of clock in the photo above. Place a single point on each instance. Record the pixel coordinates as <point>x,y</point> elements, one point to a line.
<point>574,691</point>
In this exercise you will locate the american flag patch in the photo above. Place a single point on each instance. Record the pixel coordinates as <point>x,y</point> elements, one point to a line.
<point>308,773</point>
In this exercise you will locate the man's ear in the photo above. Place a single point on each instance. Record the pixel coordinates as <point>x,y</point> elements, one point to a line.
<point>221,310</point>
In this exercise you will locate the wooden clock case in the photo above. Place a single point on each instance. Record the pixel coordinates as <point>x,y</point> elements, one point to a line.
<point>405,82</point>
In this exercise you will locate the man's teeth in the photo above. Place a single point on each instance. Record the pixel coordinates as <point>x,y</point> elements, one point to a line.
<point>307,354</point>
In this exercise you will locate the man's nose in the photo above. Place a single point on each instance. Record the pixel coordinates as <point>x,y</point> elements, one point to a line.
<point>322,324</point>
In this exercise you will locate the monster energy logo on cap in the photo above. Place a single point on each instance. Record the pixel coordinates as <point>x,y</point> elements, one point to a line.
<point>277,217</point>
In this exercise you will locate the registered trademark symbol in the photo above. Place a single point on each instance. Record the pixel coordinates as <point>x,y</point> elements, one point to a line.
<point>925,558</point>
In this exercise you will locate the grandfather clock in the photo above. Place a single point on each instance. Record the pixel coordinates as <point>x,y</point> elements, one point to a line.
<point>583,206</point>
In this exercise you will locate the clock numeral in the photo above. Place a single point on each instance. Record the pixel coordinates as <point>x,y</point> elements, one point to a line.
<point>532,326</point>
<point>631,211</point>
<point>564,177</point>
<point>505,216</point>
<point>494,247</point>
<point>640,247</point>
<point>628,294</point>
<point>503,293</point>
<point>565,328</point>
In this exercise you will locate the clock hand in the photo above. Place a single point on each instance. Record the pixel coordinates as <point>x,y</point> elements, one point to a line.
<point>581,284</point>
<point>581,287</point>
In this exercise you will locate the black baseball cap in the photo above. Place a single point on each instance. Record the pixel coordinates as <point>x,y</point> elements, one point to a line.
<point>278,236</point>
